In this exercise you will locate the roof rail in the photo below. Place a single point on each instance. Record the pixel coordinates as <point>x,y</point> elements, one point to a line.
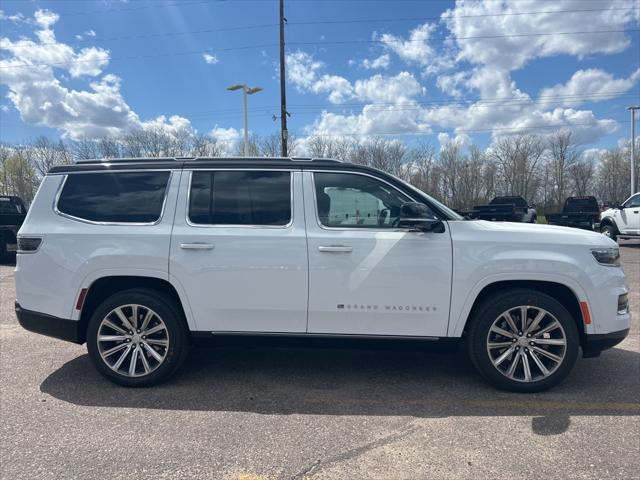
<point>190,159</point>
<point>127,160</point>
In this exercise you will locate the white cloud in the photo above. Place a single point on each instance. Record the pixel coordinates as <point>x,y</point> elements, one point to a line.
<point>505,50</point>
<point>302,69</point>
<point>210,59</point>
<point>29,72</point>
<point>461,139</point>
<point>227,138</point>
<point>599,84</point>
<point>15,18</point>
<point>383,61</point>
<point>305,75</point>
<point>400,88</point>
<point>416,48</point>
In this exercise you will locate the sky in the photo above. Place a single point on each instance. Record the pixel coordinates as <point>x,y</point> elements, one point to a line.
<point>416,70</point>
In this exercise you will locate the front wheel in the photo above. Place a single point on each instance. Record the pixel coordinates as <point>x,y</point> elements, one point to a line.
<point>523,341</point>
<point>137,338</point>
<point>609,231</point>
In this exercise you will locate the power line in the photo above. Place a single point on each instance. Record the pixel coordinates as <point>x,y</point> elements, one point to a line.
<point>323,22</point>
<point>301,109</point>
<point>455,17</point>
<point>335,42</point>
<point>515,129</point>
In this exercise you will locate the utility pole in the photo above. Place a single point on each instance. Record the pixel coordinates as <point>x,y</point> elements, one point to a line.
<point>283,89</point>
<point>633,109</point>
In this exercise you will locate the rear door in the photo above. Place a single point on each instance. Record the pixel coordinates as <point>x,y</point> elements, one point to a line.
<point>239,250</point>
<point>366,276</point>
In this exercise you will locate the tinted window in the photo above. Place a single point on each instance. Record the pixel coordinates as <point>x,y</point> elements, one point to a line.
<point>356,201</point>
<point>240,198</point>
<point>9,206</point>
<point>114,197</point>
<point>633,202</point>
<point>517,201</point>
<point>581,204</point>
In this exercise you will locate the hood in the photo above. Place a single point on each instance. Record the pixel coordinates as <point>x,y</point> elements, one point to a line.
<point>532,233</point>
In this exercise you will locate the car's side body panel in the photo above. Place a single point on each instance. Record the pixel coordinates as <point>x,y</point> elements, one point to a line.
<point>244,278</point>
<point>75,253</point>
<point>485,253</point>
<point>390,281</point>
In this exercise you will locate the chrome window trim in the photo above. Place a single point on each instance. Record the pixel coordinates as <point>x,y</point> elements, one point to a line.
<point>94,222</point>
<point>360,229</point>
<point>230,225</point>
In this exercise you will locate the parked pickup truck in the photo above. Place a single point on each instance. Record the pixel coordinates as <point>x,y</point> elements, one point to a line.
<point>578,212</point>
<point>622,221</point>
<point>506,209</point>
<point>141,258</point>
<point>12,215</point>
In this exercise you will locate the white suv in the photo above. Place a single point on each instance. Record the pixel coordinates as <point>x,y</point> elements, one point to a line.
<point>139,258</point>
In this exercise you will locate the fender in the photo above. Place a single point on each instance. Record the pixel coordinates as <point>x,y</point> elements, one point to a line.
<point>90,278</point>
<point>457,325</point>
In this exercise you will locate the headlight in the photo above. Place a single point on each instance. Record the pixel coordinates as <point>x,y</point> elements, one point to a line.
<point>607,256</point>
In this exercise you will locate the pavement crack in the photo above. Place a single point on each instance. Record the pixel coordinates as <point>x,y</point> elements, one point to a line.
<point>319,464</point>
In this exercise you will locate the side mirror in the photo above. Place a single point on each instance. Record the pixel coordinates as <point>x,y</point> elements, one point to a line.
<point>417,216</point>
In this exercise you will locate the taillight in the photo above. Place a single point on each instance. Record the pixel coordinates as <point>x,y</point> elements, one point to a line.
<point>29,244</point>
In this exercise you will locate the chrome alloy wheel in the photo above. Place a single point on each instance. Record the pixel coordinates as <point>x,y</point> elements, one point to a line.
<point>526,343</point>
<point>133,340</point>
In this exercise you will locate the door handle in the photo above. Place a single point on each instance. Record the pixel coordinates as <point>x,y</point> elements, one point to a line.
<point>335,249</point>
<point>196,246</point>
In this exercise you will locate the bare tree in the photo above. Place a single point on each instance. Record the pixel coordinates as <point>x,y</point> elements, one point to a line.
<point>613,176</point>
<point>582,177</point>
<point>18,176</point>
<point>563,155</point>
<point>387,155</point>
<point>270,146</point>
<point>205,146</point>
<point>518,160</point>
<point>45,154</point>
<point>324,146</point>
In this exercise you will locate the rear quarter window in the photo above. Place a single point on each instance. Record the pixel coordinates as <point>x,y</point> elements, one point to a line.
<point>128,197</point>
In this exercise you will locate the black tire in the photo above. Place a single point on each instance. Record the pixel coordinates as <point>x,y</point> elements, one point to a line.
<point>609,231</point>
<point>492,309</point>
<point>177,333</point>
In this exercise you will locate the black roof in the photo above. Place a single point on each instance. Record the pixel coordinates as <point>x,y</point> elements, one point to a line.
<point>200,162</point>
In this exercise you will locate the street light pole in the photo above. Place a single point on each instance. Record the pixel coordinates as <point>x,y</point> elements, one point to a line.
<point>246,91</point>
<point>633,109</point>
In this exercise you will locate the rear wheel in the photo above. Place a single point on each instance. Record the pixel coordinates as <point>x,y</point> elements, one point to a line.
<point>137,338</point>
<point>523,341</point>
<point>609,231</point>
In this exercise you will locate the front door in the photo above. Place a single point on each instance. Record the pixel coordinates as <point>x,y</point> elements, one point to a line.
<point>366,276</point>
<point>628,216</point>
<point>239,250</point>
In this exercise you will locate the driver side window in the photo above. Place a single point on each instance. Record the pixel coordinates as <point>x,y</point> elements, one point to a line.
<point>348,200</point>
<point>633,202</point>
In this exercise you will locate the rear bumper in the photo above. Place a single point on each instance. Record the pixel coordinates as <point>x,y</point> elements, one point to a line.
<point>68,330</point>
<point>593,345</point>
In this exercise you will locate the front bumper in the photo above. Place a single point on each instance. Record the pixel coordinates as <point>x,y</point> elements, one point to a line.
<point>593,345</point>
<point>69,330</point>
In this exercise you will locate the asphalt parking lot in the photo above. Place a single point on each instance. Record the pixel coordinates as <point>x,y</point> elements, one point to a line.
<point>258,413</point>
